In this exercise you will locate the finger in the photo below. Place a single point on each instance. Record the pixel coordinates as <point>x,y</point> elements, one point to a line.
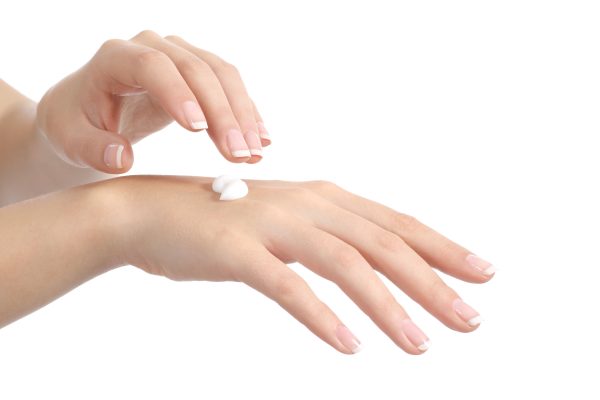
<point>338,262</point>
<point>132,67</point>
<point>102,150</point>
<point>262,131</point>
<point>267,274</point>
<point>437,250</point>
<point>390,255</point>
<point>223,127</point>
<point>235,90</point>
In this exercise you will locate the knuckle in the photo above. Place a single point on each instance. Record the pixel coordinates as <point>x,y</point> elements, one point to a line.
<point>405,223</point>
<point>322,310</point>
<point>286,287</point>
<point>151,57</point>
<point>347,257</point>
<point>146,34</point>
<point>300,193</point>
<point>389,242</point>
<point>388,305</point>
<point>193,66</point>
<point>260,210</point>
<point>222,66</point>
<point>321,186</point>
<point>110,44</point>
<point>439,291</point>
<point>173,38</point>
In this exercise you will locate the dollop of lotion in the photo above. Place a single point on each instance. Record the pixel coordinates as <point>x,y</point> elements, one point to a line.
<point>230,187</point>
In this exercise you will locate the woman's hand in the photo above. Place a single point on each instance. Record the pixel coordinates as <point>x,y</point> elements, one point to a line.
<point>177,227</point>
<point>132,88</point>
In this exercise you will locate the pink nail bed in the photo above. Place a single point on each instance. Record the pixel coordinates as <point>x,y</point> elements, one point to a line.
<point>262,131</point>
<point>237,145</point>
<point>194,115</point>
<point>113,156</point>
<point>466,312</point>
<point>347,338</point>
<point>415,335</point>
<point>481,265</point>
<point>253,142</point>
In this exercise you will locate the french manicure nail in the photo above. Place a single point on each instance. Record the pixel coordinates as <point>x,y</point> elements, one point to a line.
<point>481,265</point>
<point>415,335</point>
<point>347,338</point>
<point>254,144</point>
<point>113,156</point>
<point>466,313</point>
<point>262,131</point>
<point>237,144</point>
<point>194,115</point>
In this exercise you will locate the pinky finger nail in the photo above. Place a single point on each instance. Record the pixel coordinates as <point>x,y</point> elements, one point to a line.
<point>262,131</point>
<point>485,267</point>
<point>347,338</point>
<point>466,313</point>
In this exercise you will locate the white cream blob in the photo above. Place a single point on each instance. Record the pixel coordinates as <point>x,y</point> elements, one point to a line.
<point>230,187</point>
<point>220,181</point>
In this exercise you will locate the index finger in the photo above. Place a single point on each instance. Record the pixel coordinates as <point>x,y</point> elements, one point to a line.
<point>439,251</point>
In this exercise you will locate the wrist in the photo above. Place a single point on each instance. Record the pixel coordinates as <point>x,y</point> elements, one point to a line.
<point>112,214</point>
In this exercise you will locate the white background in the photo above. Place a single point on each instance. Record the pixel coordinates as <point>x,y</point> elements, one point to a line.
<point>479,118</point>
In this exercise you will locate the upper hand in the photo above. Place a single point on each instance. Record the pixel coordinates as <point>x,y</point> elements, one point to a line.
<point>132,88</point>
<point>186,233</point>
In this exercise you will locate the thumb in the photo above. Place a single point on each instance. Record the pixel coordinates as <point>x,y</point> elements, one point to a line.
<point>102,150</point>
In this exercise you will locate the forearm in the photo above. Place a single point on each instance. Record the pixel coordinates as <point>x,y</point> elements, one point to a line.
<point>50,245</point>
<point>28,165</point>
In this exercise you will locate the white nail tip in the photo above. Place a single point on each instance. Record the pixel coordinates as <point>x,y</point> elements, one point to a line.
<point>230,187</point>
<point>256,152</point>
<point>489,271</point>
<point>240,153</point>
<point>357,348</point>
<point>120,156</point>
<point>474,321</point>
<point>424,346</point>
<point>200,125</point>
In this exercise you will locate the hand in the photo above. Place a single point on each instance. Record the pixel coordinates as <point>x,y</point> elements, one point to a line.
<point>132,88</point>
<point>186,233</point>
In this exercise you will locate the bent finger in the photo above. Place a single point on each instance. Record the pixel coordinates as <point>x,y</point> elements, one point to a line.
<point>132,67</point>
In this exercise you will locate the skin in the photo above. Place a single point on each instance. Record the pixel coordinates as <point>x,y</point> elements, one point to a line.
<point>153,222</point>
<point>338,235</point>
<point>133,88</point>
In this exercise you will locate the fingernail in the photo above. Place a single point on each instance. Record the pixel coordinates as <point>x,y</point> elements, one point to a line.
<point>262,131</point>
<point>253,142</point>
<point>194,115</point>
<point>237,144</point>
<point>466,312</point>
<point>348,339</point>
<point>481,265</point>
<point>113,156</point>
<point>415,335</point>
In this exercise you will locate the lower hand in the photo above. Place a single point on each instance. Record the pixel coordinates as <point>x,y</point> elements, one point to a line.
<point>186,233</point>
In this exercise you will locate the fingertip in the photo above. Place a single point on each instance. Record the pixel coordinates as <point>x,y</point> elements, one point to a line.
<point>127,159</point>
<point>195,119</point>
<point>263,133</point>
<point>117,157</point>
